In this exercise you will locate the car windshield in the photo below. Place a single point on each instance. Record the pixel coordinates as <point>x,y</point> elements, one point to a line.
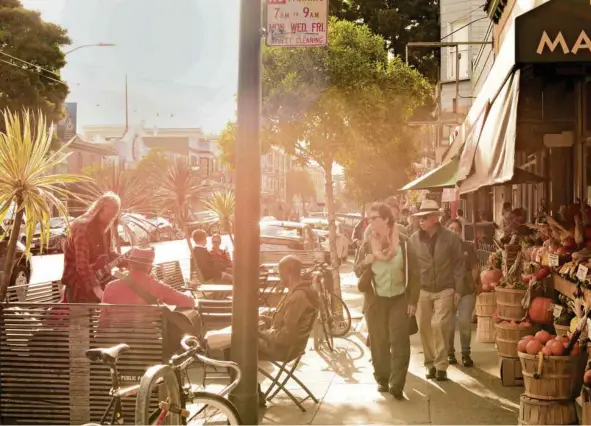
<point>54,223</point>
<point>319,225</point>
<point>275,230</point>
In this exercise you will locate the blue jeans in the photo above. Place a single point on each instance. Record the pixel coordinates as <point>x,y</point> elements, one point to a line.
<point>463,319</point>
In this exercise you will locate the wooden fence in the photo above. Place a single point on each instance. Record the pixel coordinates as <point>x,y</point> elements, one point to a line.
<point>45,377</point>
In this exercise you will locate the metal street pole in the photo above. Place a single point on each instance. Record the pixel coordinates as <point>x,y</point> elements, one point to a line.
<point>248,193</point>
<point>89,45</point>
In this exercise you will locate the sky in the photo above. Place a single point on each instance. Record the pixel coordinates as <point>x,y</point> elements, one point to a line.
<point>181,62</point>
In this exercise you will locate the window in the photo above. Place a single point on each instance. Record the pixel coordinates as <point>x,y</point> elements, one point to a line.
<point>460,31</point>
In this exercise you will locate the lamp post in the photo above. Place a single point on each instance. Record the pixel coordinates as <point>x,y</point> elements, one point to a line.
<point>248,187</point>
<point>89,45</point>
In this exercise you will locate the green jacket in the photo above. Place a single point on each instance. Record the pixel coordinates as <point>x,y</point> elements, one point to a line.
<point>412,285</point>
<point>445,268</point>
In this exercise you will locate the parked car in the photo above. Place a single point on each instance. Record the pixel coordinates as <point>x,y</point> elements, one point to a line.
<point>285,236</point>
<point>206,220</point>
<point>58,229</point>
<point>320,228</point>
<point>163,230</point>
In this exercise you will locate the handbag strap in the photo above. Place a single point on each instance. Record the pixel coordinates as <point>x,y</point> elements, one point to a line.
<point>148,298</point>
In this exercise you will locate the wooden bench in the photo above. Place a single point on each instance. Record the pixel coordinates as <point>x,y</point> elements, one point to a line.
<point>45,375</point>
<point>307,257</point>
<point>49,292</point>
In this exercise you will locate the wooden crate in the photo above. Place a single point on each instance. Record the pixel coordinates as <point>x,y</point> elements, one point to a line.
<point>45,375</point>
<point>510,372</point>
<point>536,412</point>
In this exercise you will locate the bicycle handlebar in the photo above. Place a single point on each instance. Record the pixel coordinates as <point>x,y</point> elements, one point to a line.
<point>193,348</point>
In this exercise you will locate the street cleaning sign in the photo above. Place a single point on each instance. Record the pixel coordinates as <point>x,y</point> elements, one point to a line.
<point>297,23</point>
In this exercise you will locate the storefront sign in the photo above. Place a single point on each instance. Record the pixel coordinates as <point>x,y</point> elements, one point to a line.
<point>557,31</point>
<point>553,260</point>
<point>297,23</point>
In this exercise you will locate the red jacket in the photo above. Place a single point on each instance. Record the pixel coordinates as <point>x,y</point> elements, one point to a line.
<point>118,292</point>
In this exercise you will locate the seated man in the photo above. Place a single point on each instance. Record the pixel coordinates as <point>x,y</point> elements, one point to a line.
<point>140,288</point>
<point>292,323</point>
<point>211,270</point>
<point>220,255</point>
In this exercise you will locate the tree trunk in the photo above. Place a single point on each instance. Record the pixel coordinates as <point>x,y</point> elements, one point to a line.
<point>230,230</point>
<point>10,252</point>
<point>332,229</point>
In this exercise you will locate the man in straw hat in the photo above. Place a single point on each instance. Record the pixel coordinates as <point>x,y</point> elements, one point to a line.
<point>139,285</point>
<point>440,271</point>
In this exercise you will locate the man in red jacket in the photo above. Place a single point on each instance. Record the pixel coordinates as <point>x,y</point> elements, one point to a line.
<point>140,285</point>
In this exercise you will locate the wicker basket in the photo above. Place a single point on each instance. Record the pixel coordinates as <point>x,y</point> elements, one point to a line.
<point>561,330</point>
<point>557,378</point>
<point>485,330</point>
<point>509,304</point>
<point>535,412</point>
<point>486,304</point>
<point>508,337</point>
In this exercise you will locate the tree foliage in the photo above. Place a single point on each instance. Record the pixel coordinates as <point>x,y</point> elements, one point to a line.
<point>299,183</point>
<point>35,86</point>
<point>399,22</point>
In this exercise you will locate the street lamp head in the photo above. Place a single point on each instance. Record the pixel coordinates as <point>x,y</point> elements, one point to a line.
<point>106,44</point>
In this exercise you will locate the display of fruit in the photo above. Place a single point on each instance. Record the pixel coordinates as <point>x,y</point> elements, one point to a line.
<point>587,378</point>
<point>533,347</point>
<point>557,347</point>
<point>543,336</point>
<point>491,276</point>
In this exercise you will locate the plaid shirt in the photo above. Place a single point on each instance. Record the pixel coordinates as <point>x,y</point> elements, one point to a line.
<point>80,253</point>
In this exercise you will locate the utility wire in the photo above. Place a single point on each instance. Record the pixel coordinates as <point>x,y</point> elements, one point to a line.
<point>463,26</point>
<point>20,67</point>
<point>30,64</point>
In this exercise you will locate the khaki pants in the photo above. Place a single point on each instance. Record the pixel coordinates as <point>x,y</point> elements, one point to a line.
<point>434,315</point>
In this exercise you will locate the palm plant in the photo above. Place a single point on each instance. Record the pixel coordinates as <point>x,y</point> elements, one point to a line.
<point>27,185</point>
<point>223,204</point>
<point>180,187</point>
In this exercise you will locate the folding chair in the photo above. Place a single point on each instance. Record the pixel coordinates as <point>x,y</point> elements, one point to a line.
<point>289,367</point>
<point>214,315</point>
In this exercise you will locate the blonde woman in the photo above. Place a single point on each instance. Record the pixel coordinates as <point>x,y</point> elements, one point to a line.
<point>390,298</point>
<point>89,241</point>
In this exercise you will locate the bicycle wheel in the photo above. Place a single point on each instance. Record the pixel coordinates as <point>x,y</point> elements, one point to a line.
<point>208,408</point>
<point>341,316</point>
<point>162,379</point>
<point>325,320</point>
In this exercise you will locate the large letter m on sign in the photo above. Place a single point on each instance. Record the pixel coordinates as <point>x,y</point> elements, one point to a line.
<point>552,45</point>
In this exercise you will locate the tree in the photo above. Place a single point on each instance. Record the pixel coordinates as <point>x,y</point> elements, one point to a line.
<point>227,144</point>
<point>27,184</point>
<point>299,183</point>
<point>180,187</point>
<point>399,22</point>
<point>34,85</point>
<point>223,204</point>
<point>379,172</point>
<point>322,104</point>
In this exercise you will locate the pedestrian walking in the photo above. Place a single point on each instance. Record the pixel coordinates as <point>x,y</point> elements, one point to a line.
<point>440,271</point>
<point>463,316</point>
<point>382,265</point>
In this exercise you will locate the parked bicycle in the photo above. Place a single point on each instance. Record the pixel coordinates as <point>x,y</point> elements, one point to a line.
<point>334,314</point>
<point>182,404</point>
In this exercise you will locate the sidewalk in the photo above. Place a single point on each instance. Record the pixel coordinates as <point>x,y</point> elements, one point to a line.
<point>343,382</point>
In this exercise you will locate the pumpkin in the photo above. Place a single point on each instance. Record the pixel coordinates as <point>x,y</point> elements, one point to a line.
<point>576,350</point>
<point>490,276</point>
<point>525,324</point>
<point>485,288</point>
<point>557,348</point>
<point>543,336</point>
<point>533,347</point>
<point>522,345</point>
<point>540,310</point>
<point>587,377</point>
<point>547,351</point>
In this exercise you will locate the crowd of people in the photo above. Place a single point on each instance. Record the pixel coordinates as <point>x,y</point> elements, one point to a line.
<point>415,271</point>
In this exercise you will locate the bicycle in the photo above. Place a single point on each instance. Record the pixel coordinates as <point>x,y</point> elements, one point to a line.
<point>334,314</point>
<point>173,410</point>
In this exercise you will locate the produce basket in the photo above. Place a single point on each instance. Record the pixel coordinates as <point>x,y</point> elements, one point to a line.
<point>508,336</point>
<point>486,304</point>
<point>509,306</point>
<point>485,330</point>
<point>551,377</point>
<point>536,412</point>
<point>561,330</point>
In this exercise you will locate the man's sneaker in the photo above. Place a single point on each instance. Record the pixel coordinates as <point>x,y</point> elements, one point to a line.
<point>383,387</point>
<point>397,394</point>
<point>441,376</point>
<point>451,359</point>
<point>430,373</point>
<point>467,361</point>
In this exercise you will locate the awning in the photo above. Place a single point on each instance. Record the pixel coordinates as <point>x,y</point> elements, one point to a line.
<point>443,176</point>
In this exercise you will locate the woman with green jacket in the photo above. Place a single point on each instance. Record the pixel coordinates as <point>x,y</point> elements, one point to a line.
<point>390,299</point>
